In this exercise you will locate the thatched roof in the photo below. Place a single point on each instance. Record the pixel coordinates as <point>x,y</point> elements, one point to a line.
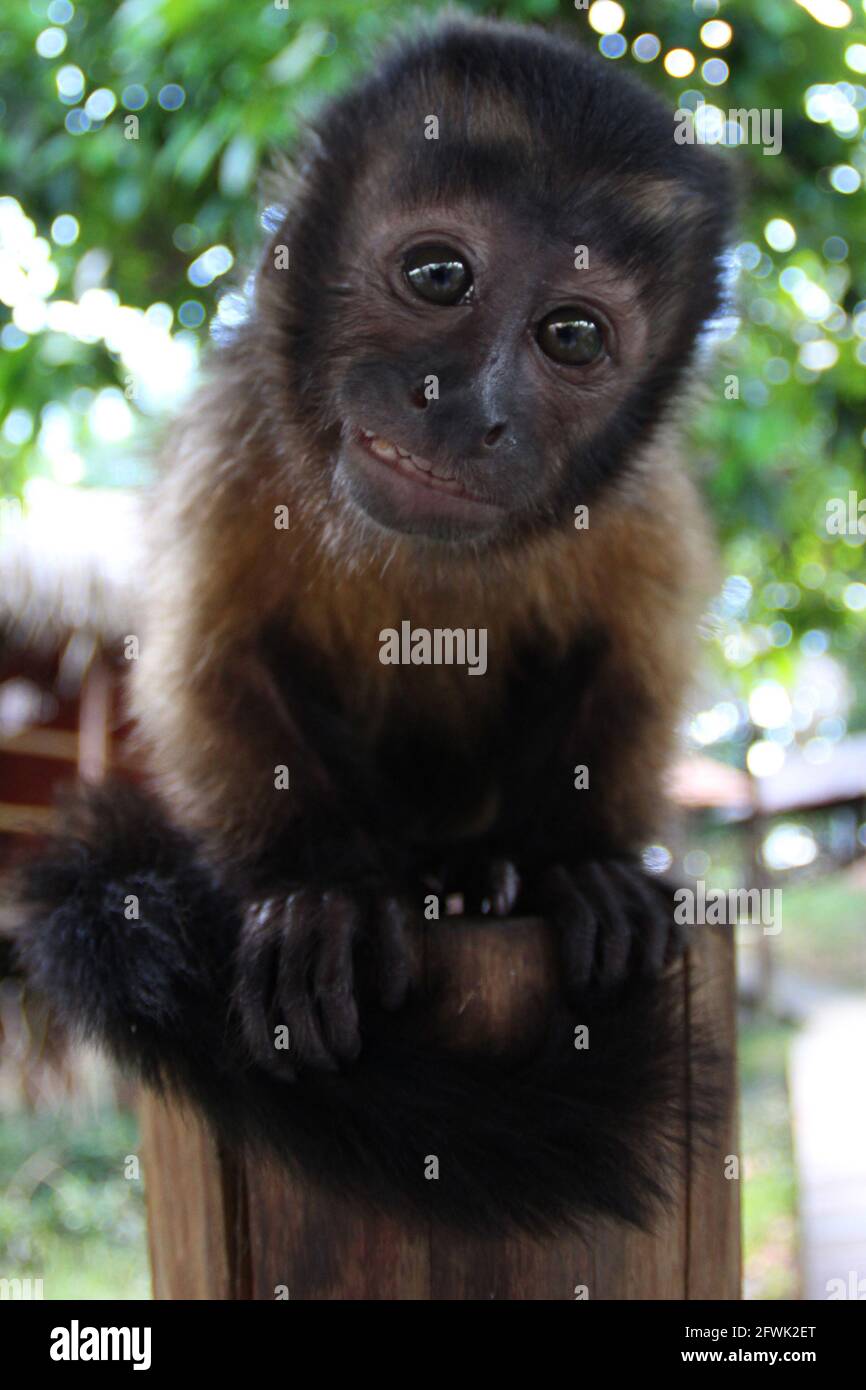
<point>67,565</point>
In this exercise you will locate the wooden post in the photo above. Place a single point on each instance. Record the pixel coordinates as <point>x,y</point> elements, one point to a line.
<point>221,1229</point>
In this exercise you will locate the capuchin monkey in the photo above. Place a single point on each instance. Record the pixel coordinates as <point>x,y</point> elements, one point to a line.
<point>450,410</point>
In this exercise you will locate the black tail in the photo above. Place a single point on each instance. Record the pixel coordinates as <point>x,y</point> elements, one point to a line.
<point>529,1143</point>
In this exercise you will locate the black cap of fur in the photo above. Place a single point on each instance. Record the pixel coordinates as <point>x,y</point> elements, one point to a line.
<point>533,1143</point>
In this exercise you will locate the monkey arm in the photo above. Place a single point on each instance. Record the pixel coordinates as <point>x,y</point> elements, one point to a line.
<point>580,768</point>
<point>274,793</point>
<point>253,784</point>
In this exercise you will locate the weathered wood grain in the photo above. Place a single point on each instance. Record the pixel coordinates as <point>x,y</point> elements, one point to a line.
<point>192,1209</point>
<point>219,1232</point>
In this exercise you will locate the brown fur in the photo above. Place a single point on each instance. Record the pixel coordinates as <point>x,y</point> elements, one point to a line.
<point>292,909</point>
<point>223,577</point>
<point>221,571</point>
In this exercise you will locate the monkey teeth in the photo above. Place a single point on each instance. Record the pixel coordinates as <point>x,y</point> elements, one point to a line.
<point>410,465</point>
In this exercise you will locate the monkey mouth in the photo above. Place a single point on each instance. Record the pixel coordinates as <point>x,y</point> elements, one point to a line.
<point>418,470</point>
<point>404,493</point>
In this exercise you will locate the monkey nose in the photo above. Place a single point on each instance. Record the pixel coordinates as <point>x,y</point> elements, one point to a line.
<point>494,434</point>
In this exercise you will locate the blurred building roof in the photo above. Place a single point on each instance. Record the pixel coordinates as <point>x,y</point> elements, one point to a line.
<point>700,783</point>
<point>802,785</point>
<point>67,561</point>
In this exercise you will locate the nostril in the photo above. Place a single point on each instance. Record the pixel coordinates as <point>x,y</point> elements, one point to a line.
<point>494,435</point>
<point>417,397</point>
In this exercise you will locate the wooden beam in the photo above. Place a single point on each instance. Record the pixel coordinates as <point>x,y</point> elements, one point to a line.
<point>43,742</point>
<point>26,820</point>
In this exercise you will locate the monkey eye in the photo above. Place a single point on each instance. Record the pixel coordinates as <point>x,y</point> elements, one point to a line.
<point>438,274</point>
<point>570,336</point>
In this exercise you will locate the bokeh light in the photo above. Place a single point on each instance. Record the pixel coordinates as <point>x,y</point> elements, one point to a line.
<point>100,104</point>
<point>646,48</point>
<point>613,45</point>
<point>191,313</point>
<point>171,97</point>
<point>213,262</point>
<point>715,71</point>
<point>679,62</point>
<point>835,14</point>
<point>716,33</point>
<point>606,16</point>
<point>779,234</point>
<point>765,758</point>
<point>51,43</point>
<point>64,229</point>
<point>845,178</point>
<point>70,83</point>
<point>134,97</point>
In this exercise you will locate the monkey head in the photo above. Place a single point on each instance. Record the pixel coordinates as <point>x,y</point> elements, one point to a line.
<point>500,263</point>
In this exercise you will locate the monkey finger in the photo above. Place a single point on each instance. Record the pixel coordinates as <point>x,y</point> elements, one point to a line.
<point>664,891</point>
<point>643,909</point>
<point>297,959</point>
<point>574,920</point>
<point>392,936</point>
<point>655,921</point>
<point>334,976</point>
<point>255,972</point>
<point>615,930</point>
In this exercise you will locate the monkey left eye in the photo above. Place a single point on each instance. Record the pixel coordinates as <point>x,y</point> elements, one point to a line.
<point>570,336</point>
<point>438,274</point>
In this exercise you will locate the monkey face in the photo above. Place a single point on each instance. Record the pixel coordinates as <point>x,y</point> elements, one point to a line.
<point>480,369</point>
<point>484,328</point>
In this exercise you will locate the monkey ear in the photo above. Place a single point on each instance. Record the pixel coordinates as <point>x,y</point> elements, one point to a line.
<point>284,179</point>
<point>281,186</point>
<point>278,182</point>
<point>669,200</point>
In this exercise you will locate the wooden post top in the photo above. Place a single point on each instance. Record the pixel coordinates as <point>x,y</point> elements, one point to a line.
<point>226,1228</point>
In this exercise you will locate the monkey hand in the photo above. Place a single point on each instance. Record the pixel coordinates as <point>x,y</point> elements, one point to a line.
<point>613,921</point>
<point>299,961</point>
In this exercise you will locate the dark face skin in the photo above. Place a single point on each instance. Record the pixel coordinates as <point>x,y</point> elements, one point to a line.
<point>531,358</point>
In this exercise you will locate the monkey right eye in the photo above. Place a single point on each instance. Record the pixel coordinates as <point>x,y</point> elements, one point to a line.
<point>438,274</point>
